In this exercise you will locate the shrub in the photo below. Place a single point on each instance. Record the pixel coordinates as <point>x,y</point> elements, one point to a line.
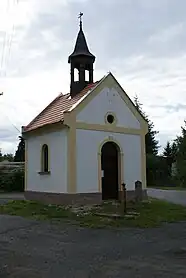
<point>158,174</point>
<point>12,180</point>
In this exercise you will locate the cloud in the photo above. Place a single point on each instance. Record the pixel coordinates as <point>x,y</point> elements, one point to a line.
<point>142,42</point>
<point>168,34</point>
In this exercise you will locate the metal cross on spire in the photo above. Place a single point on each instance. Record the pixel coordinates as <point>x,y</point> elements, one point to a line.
<point>80,19</point>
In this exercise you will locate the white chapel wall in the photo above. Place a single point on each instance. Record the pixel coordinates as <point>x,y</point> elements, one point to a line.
<point>88,142</point>
<point>108,100</point>
<point>57,180</point>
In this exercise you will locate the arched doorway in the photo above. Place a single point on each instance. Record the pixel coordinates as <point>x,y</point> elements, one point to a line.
<point>109,167</point>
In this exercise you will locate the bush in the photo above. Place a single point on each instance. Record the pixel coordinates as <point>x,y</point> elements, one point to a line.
<point>158,173</point>
<point>12,180</point>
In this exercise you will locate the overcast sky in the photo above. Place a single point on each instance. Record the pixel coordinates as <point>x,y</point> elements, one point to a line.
<point>142,42</point>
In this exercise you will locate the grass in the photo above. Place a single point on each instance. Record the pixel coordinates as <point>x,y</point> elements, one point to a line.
<point>169,188</point>
<point>151,214</point>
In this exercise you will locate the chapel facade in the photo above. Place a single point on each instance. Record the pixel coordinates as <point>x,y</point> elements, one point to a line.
<point>85,144</point>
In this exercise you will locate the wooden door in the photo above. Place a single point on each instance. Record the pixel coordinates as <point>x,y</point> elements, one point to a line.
<point>109,166</point>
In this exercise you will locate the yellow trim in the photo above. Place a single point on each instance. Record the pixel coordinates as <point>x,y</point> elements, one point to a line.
<point>89,98</point>
<point>70,121</point>
<point>110,82</point>
<point>109,128</point>
<point>115,119</point>
<point>143,162</point>
<point>71,155</point>
<point>26,164</point>
<point>120,163</point>
<point>130,105</point>
<point>114,129</point>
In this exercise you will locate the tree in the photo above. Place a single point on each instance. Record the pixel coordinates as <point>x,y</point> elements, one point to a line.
<point>20,153</point>
<point>181,156</point>
<point>150,138</point>
<point>1,156</point>
<point>174,149</point>
<point>8,156</point>
<point>151,144</point>
<point>168,153</point>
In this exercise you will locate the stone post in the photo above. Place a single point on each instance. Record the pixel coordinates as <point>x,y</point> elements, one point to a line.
<point>138,191</point>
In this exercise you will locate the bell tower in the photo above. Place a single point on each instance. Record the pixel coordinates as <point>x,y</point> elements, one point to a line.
<point>82,60</point>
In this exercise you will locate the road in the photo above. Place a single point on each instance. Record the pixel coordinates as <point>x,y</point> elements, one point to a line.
<point>35,249</point>
<point>5,197</point>
<point>174,196</point>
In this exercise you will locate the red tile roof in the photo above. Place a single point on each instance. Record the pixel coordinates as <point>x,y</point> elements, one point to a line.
<point>53,113</point>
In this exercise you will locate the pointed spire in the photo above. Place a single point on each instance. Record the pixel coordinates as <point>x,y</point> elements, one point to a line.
<point>81,47</point>
<point>82,60</point>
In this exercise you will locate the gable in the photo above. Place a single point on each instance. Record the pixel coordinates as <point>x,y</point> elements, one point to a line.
<point>108,101</point>
<point>131,117</point>
<point>54,112</point>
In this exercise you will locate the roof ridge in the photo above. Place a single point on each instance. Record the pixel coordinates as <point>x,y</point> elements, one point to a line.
<point>54,111</point>
<point>59,96</point>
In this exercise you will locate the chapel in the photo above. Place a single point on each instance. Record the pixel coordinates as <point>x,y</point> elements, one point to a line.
<point>86,143</point>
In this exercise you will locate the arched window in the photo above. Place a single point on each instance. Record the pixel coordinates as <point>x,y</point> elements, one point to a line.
<point>44,159</point>
<point>87,76</point>
<point>76,75</point>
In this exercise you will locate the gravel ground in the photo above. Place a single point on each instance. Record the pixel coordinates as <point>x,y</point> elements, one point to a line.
<point>39,249</point>
<point>174,196</point>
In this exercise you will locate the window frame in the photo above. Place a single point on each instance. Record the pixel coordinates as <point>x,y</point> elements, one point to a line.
<point>44,160</point>
<point>110,113</point>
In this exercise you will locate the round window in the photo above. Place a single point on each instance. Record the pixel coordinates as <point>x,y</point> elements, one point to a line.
<point>110,119</point>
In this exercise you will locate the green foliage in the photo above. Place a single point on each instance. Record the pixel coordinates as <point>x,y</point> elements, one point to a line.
<point>20,153</point>
<point>169,153</point>
<point>151,213</point>
<point>157,171</point>
<point>9,157</point>
<point>181,156</point>
<point>174,151</point>
<point>155,166</point>
<point>35,210</point>
<point>12,180</point>
<point>1,156</point>
<point>150,139</point>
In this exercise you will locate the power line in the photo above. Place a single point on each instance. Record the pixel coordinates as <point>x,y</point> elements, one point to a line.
<point>11,122</point>
<point>7,42</point>
<point>3,112</point>
<point>11,36</point>
<point>5,39</point>
<point>10,44</point>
